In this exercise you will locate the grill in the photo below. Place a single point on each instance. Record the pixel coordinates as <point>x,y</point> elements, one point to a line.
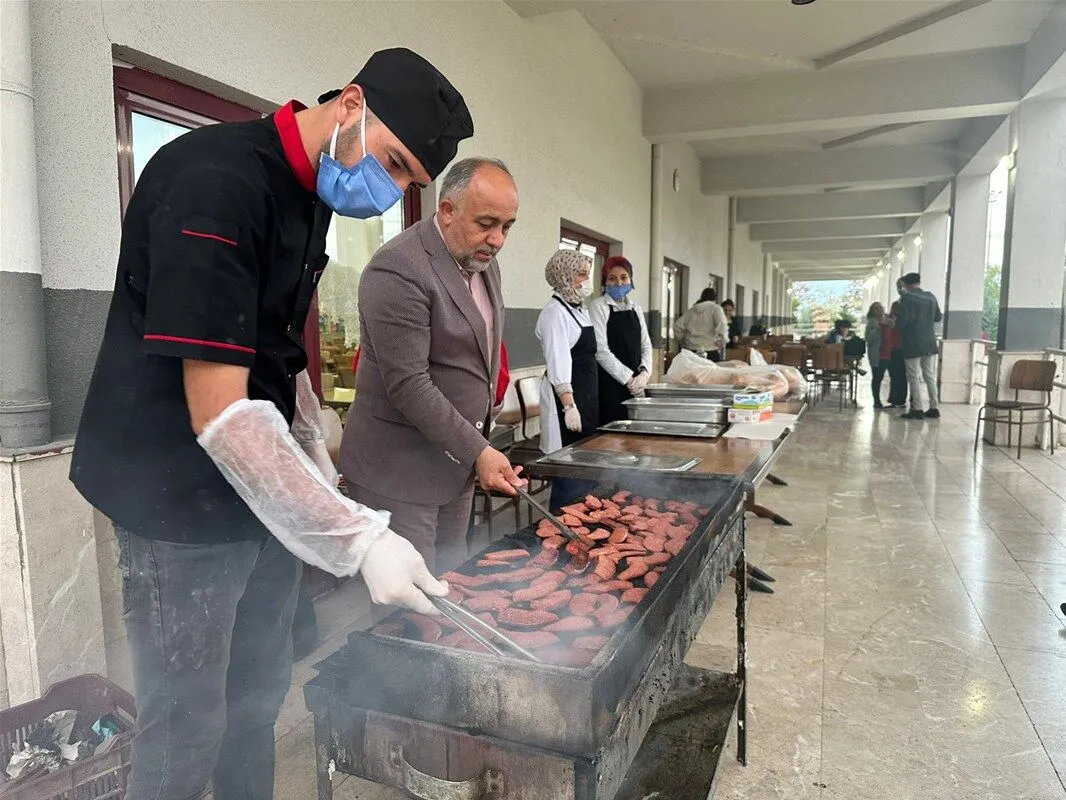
<point>448,723</point>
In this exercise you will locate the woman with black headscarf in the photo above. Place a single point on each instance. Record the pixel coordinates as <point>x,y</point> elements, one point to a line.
<point>623,346</point>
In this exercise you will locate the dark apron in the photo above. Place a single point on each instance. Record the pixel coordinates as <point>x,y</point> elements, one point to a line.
<point>584,381</point>
<point>623,340</point>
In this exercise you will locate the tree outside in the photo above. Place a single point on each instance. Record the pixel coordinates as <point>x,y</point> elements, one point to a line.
<point>818,304</point>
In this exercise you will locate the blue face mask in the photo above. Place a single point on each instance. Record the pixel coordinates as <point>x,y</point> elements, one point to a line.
<point>362,191</point>
<point>619,291</point>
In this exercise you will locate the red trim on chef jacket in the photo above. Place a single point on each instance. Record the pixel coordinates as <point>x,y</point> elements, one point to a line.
<point>292,144</point>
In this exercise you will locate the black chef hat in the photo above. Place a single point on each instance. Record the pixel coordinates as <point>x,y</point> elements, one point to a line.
<point>417,103</point>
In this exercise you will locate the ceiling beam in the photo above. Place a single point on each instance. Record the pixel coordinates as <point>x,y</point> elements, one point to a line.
<point>828,229</point>
<point>875,244</point>
<point>835,205</point>
<point>897,32</point>
<point>884,166</point>
<point>869,133</point>
<point>1044,67</point>
<point>790,263</point>
<point>950,86</point>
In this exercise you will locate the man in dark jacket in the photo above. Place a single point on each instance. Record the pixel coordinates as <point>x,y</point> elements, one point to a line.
<point>919,311</point>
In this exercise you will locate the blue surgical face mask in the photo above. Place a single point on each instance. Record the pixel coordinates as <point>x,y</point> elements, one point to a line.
<point>362,191</point>
<point>619,291</point>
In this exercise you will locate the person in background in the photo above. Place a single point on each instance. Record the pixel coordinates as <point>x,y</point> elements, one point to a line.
<point>623,346</point>
<point>919,312</point>
<point>569,392</point>
<point>734,331</point>
<point>431,321</point>
<point>704,327</point>
<point>877,329</point>
<point>841,332</point>
<point>759,327</point>
<point>897,370</point>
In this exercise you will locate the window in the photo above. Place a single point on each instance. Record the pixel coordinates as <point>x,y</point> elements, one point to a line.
<point>675,290</point>
<point>596,249</point>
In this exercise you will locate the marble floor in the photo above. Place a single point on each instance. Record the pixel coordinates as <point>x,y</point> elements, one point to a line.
<point>914,646</point>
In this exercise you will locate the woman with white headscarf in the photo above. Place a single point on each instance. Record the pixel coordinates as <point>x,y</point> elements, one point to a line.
<point>569,396</point>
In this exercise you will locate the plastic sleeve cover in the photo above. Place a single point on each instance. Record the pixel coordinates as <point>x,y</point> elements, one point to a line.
<point>253,449</point>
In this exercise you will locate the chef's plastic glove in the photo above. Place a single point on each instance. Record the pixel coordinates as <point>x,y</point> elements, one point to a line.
<point>396,575</point>
<point>572,418</point>
<point>251,445</point>
<point>637,383</point>
<point>308,430</point>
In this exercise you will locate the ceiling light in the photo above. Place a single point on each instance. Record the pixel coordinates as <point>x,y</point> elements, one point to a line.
<point>917,241</point>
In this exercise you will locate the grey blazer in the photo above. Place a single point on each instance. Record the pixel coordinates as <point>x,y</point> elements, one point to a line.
<point>427,373</point>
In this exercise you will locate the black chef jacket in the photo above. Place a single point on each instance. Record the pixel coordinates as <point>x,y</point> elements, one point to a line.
<point>222,247</point>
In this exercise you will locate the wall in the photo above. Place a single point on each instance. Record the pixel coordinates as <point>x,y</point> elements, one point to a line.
<point>578,154</point>
<point>747,270</point>
<point>695,227</point>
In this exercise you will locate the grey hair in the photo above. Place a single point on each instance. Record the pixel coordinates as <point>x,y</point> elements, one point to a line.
<point>458,178</point>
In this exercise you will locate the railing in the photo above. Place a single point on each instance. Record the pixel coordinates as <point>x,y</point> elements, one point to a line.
<point>1058,395</point>
<point>979,367</point>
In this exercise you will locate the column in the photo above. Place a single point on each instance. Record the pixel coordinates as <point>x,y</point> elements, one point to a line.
<point>964,302</point>
<point>764,291</point>
<point>1031,293</point>
<point>912,252</point>
<point>25,410</point>
<point>1031,298</point>
<point>933,254</point>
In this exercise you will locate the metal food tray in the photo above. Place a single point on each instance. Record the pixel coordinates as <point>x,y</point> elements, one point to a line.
<point>566,709</point>
<point>662,409</point>
<point>695,430</point>
<point>690,392</point>
<point>604,459</point>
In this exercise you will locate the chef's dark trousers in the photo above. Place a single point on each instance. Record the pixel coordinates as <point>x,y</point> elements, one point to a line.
<point>210,632</point>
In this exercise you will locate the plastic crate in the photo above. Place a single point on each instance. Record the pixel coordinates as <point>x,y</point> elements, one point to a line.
<point>101,777</point>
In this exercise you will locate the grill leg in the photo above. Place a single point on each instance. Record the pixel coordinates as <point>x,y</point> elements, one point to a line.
<point>776,481</point>
<point>742,662</point>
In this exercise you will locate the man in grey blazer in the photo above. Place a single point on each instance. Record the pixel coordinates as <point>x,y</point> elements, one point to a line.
<point>431,320</point>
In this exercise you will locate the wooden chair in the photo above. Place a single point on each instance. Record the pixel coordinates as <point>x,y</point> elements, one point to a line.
<point>737,353</point>
<point>829,368</point>
<point>1027,375</point>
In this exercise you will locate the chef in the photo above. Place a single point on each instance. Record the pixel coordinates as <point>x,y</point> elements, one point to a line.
<point>569,392</point>
<point>623,346</point>
<point>200,436</point>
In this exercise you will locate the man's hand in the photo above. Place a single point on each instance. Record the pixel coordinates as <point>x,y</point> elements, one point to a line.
<point>396,575</point>
<point>495,473</point>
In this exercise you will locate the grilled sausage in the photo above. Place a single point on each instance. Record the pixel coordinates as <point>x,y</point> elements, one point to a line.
<point>616,618</point>
<point>581,605</point>
<point>488,602</point>
<point>553,543</point>
<point>655,543</point>
<point>600,535</point>
<point>534,592</point>
<point>489,563</point>
<point>468,581</point>
<point>675,546</point>
<point>519,618</point>
<point>620,497</point>
<point>428,629</point>
<point>636,568</point>
<point>605,604</point>
<point>634,595</point>
<point>545,558</point>
<point>555,577</point>
<point>554,601</point>
<point>593,503</point>
<point>520,575</point>
<point>605,567</point>
<point>619,535</point>
<point>570,625</point>
<point>609,586</point>
<point>461,640</point>
<point>654,559</point>
<point>651,578</point>
<point>633,511</point>
<point>508,555</point>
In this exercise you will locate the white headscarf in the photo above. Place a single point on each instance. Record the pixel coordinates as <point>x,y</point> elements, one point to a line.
<point>560,270</point>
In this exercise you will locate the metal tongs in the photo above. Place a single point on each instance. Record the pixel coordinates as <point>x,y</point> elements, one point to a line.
<point>470,624</point>
<point>548,515</point>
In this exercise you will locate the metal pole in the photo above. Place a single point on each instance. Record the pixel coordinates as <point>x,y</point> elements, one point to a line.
<point>25,410</point>
<point>655,274</point>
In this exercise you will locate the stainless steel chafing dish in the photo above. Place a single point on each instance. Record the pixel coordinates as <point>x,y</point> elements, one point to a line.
<point>664,409</point>
<point>689,392</point>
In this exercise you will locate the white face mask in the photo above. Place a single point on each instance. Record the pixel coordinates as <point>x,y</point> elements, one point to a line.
<point>584,289</point>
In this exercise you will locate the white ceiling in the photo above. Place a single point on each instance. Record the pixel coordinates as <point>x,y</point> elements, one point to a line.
<point>719,73</point>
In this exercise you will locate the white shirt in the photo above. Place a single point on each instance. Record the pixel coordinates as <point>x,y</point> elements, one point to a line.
<point>600,313</point>
<point>558,333</point>
<point>703,327</point>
